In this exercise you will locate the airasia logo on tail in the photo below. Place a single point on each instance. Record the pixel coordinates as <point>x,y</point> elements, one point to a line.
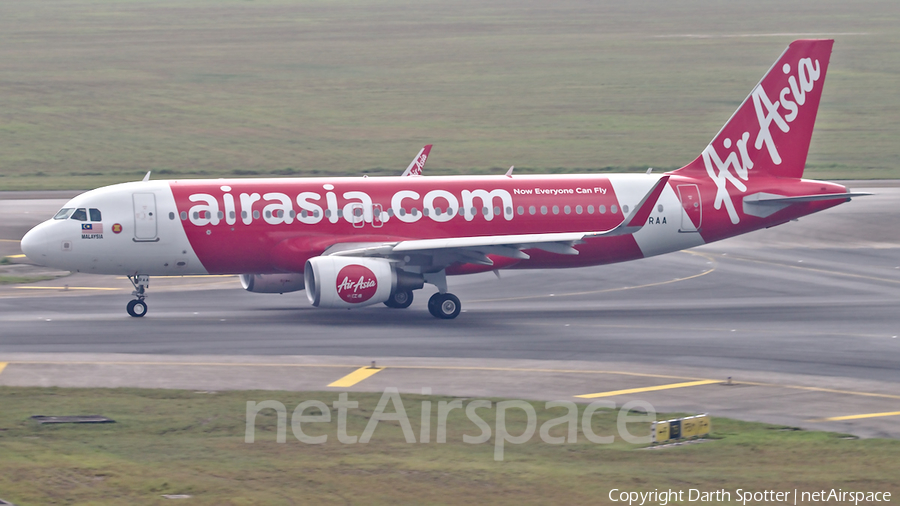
<point>419,164</point>
<point>738,157</point>
<point>356,283</point>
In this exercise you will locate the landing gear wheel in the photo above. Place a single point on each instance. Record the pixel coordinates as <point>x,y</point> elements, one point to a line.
<point>137,308</point>
<point>445,306</point>
<point>400,300</point>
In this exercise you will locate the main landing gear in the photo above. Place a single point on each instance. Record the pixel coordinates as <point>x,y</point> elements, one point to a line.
<point>442,305</point>
<point>445,306</point>
<point>400,300</point>
<point>138,307</point>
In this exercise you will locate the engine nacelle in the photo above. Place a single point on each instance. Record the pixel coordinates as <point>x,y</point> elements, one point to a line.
<point>335,281</point>
<point>272,283</point>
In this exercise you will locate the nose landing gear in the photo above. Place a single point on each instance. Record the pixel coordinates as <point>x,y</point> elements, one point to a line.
<point>138,308</point>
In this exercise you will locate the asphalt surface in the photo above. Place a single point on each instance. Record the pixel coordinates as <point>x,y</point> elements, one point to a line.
<point>805,315</point>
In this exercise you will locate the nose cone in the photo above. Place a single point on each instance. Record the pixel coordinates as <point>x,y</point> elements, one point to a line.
<point>34,244</point>
<point>29,244</point>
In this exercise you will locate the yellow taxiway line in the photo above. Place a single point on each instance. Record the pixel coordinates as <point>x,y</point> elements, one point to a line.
<point>15,256</point>
<point>355,377</point>
<point>590,372</point>
<point>2,366</point>
<point>857,417</point>
<point>648,389</point>
<point>607,290</point>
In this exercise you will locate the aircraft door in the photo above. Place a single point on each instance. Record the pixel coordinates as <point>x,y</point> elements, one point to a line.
<point>689,194</point>
<point>145,217</point>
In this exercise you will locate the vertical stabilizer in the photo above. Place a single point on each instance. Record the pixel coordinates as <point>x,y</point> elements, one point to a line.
<point>418,163</point>
<point>771,130</point>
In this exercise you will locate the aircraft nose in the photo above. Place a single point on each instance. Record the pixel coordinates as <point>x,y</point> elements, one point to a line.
<point>32,244</point>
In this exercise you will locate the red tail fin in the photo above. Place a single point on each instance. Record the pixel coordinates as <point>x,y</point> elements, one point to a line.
<point>418,163</point>
<point>771,130</point>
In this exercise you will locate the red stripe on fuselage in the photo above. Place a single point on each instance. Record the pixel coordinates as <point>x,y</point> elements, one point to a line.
<point>271,244</point>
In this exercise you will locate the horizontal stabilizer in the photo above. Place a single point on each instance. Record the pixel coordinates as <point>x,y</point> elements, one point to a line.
<point>763,205</point>
<point>768,198</point>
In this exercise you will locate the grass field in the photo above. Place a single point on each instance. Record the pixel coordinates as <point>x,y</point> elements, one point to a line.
<point>100,91</point>
<point>182,442</point>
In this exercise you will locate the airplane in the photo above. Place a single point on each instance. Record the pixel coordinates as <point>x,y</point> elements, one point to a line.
<point>356,241</point>
<point>418,163</point>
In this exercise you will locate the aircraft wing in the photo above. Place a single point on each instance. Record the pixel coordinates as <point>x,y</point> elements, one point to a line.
<point>418,163</point>
<point>474,249</point>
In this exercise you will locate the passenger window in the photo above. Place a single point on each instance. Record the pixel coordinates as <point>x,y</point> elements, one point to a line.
<point>80,214</point>
<point>63,214</point>
<point>95,215</point>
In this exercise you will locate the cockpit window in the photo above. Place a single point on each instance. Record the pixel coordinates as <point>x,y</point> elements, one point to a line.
<point>80,214</point>
<point>95,215</point>
<point>63,214</point>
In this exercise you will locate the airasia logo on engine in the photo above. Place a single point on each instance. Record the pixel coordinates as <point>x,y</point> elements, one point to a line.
<point>356,283</point>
